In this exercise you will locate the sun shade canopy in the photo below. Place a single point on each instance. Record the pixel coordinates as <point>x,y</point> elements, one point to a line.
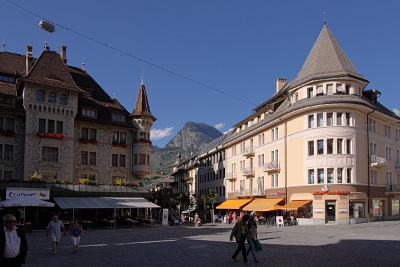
<point>102,203</point>
<point>233,204</point>
<point>262,204</point>
<point>295,204</point>
<point>26,202</point>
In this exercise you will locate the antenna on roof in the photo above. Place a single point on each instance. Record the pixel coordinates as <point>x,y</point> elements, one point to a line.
<point>324,17</point>
<point>45,46</point>
<point>83,63</point>
<point>142,79</point>
<point>3,45</point>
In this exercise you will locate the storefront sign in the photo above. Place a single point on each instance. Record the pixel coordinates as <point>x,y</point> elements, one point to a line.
<point>318,211</point>
<point>334,192</point>
<point>279,193</point>
<point>343,211</point>
<point>38,193</point>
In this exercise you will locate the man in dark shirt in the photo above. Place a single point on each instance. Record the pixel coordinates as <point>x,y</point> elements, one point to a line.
<point>13,244</point>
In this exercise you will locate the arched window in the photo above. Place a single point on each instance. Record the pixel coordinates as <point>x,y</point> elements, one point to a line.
<point>40,95</point>
<point>51,97</point>
<point>63,99</point>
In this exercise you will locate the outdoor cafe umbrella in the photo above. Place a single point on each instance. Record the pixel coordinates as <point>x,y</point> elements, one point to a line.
<point>24,202</point>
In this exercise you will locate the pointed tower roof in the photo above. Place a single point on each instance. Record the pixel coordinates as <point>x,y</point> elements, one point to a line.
<point>142,107</point>
<point>326,59</point>
<point>50,70</point>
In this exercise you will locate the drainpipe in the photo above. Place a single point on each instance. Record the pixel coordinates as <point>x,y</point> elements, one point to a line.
<point>369,167</point>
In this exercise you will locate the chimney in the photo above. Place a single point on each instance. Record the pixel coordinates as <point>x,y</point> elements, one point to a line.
<point>280,83</point>
<point>29,58</point>
<point>64,53</point>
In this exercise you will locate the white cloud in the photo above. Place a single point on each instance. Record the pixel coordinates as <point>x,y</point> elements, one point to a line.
<point>157,134</point>
<point>219,126</point>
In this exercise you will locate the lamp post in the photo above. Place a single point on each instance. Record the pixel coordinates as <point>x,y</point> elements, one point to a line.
<point>204,198</point>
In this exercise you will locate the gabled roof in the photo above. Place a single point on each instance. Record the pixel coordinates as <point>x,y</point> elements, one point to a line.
<point>326,59</point>
<point>11,63</point>
<point>50,70</point>
<point>142,107</point>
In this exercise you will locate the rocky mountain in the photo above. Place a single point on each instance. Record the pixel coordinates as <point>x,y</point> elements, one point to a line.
<point>191,138</point>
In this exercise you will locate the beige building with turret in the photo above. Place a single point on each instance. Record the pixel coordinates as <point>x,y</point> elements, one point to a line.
<point>322,147</point>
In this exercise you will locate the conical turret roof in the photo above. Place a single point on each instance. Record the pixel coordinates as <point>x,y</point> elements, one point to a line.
<point>325,60</point>
<point>142,107</point>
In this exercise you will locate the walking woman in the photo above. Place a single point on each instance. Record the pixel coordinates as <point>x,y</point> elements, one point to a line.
<point>251,238</point>
<point>76,233</point>
<point>240,232</point>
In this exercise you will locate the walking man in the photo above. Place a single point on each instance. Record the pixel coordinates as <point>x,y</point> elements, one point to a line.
<point>13,244</point>
<point>55,226</point>
<point>240,232</point>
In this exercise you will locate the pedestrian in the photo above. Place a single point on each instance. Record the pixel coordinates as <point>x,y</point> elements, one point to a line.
<point>230,218</point>
<point>240,232</point>
<point>13,244</point>
<point>76,230</point>
<point>196,220</point>
<point>251,238</point>
<point>54,227</point>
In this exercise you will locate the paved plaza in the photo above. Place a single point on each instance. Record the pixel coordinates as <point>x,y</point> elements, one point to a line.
<point>369,244</point>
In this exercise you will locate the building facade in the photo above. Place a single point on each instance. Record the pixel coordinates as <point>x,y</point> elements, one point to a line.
<point>56,121</point>
<point>322,141</point>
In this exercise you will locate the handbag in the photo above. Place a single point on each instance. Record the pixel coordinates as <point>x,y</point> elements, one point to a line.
<point>257,246</point>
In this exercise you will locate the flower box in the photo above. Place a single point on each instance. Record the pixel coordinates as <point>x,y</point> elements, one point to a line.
<point>51,135</point>
<point>7,133</point>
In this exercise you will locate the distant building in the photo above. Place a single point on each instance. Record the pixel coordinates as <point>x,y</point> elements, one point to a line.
<point>322,146</point>
<point>57,121</point>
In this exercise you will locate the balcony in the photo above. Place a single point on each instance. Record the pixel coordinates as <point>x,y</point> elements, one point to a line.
<point>231,176</point>
<point>248,152</point>
<point>377,161</point>
<point>248,192</point>
<point>392,188</point>
<point>271,167</point>
<point>248,172</point>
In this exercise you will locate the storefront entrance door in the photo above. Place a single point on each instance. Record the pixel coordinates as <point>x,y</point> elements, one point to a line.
<point>330,211</point>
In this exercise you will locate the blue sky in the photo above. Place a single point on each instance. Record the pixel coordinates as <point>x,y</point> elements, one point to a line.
<point>209,61</point>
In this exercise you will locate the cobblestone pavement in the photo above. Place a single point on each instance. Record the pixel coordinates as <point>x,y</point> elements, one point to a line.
<point>369,244</point>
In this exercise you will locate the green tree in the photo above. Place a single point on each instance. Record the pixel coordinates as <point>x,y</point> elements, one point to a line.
<point>212,198</point>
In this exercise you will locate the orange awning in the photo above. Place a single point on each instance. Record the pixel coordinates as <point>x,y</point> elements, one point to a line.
<point>233,204</point>
<point>262,204</point>
<point>295,204</point>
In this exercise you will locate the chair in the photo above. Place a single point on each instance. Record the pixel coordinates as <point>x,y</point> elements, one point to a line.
<point>28,227</point>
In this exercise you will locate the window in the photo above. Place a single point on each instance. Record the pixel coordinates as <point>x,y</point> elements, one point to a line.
<point>274,180</point>
<point>339,146</point>
<point>349,175</point>
<point>51,97</point>
<point>50,154</point>
<point>7,124</point>
<point>122,137</point>
<point>122,160</point>
<point>63,99</point>
<point>6,79</point>
<point>40,96</point>
<point>261,160</point>
<point>274,134</point>
<point>320,119</point>
<point>92,158</point>
<point>118,137</point>
<point>349,149</point>
<point>42,125</point>
<point>320,147</point>
<point>388,153</point>
<point>329,119</point>
<point>60,127</point>
<point>321,176</point>
<point>372,125</point>
<point>260,184</point>
<point>330,175</point>
<point>373,149</point>
<point>374,177</point>
<point>142,159</point>
<point>329,89</point>
<point>397,135</point>
<point>260,139</point>
<point>8,152</point>
<point>348,119</point>
<point>339,175</point>
<point>310,92</point>
<point>311,148</point>
<point>114,160</point>
<point>310,176</point>
<point>234,151</point>
<point>320,90</point>
<point>311,121</point>
<point>329,146</point>
<point>118,117</point>
<point>88,113</point>
<point>50,126</point>
<point>339,118</point>
<point>84,157</point>
<point>388,130</point>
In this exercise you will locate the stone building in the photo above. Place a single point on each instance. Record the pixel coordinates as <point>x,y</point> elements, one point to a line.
<point>57,121</point>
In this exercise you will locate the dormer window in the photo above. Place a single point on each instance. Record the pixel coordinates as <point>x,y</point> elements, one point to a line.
<point>6,79</point>
<point>40,96</point>
<point>51,97</point>
<point>63,99</point>
<point>88,113</point>
<point>320,90</point>
<point>118,117</point>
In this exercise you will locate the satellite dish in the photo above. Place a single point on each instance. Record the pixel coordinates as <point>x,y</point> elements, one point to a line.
<point>47,26</point>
